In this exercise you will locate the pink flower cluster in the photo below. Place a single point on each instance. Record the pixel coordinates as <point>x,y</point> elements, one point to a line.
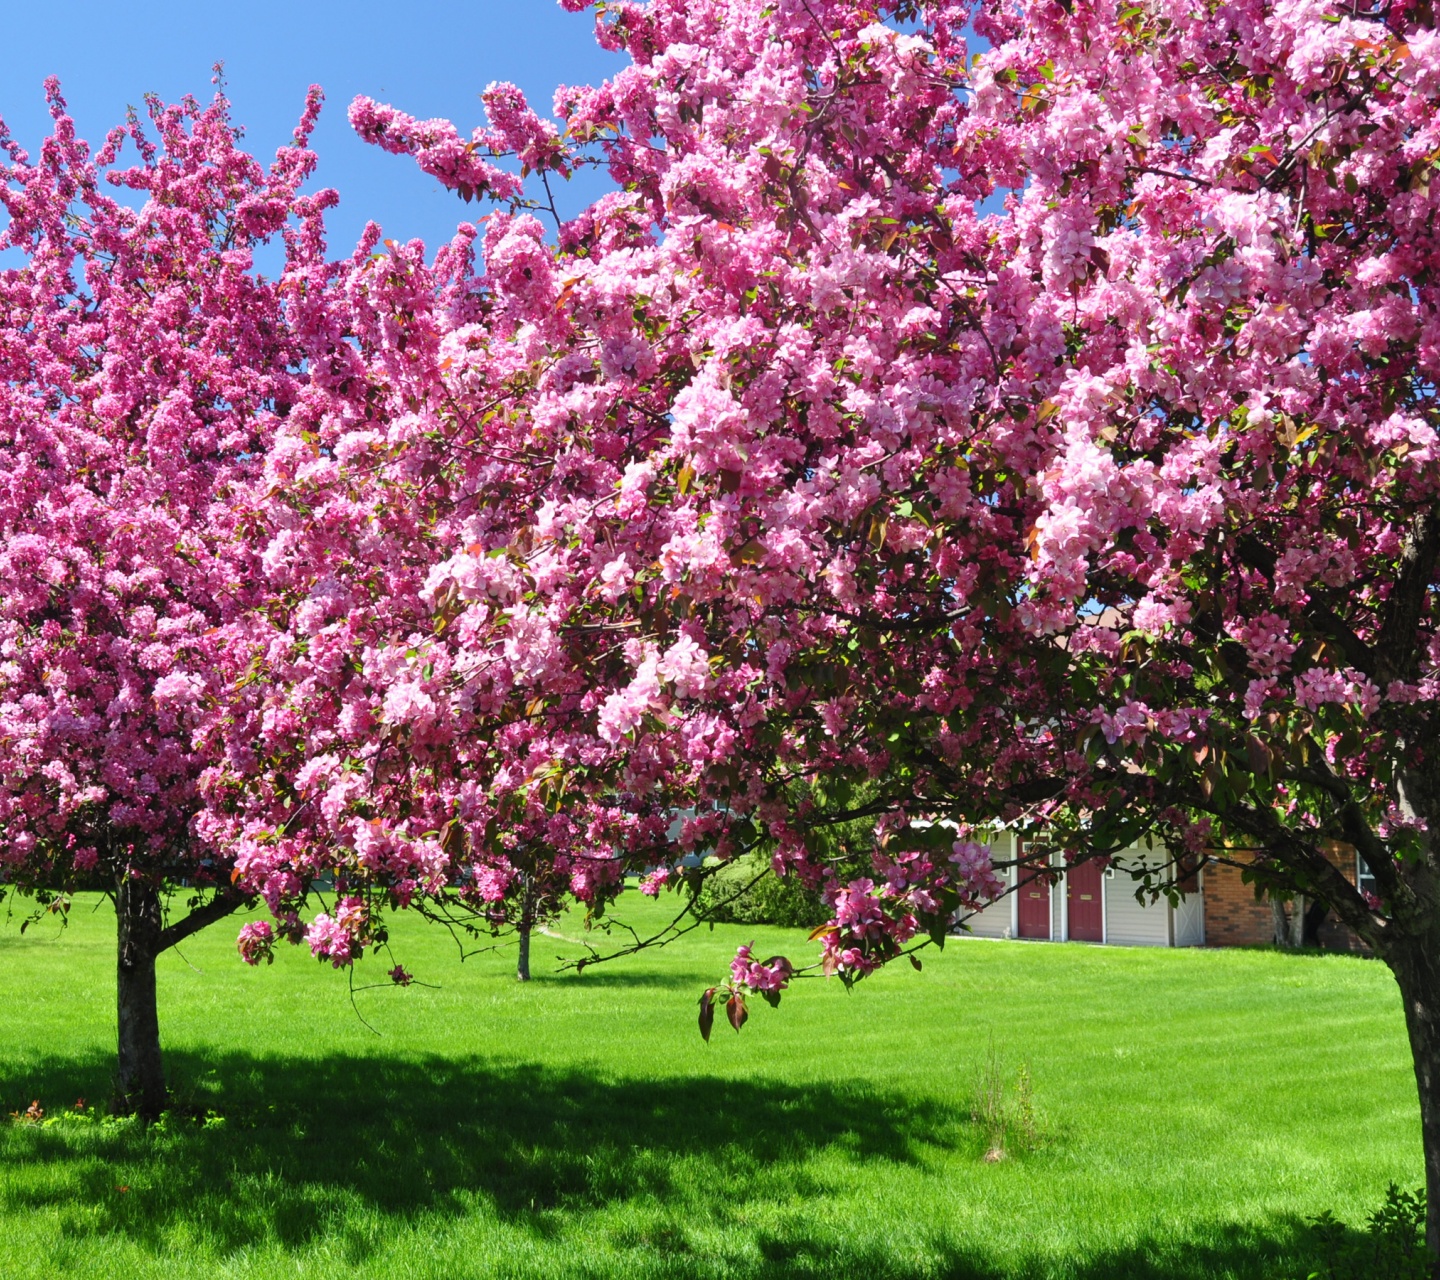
<point>769,975</point>
<point>977,876</point>
<point>256,942</point>
<point>515,128</point>
<point>436,147</point>
<point>340,938</point>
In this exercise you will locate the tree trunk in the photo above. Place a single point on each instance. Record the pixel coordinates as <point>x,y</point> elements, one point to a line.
<point>1280,922</point>
<point>140,1084</point>
<point>1292,922</point>
<point>522,968</point>
<point>1416,965</point>
<point>525,927</point>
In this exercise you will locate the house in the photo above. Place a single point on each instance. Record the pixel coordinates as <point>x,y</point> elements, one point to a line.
<point>1095,902</point>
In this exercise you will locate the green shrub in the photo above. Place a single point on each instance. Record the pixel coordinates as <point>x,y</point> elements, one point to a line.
<point>728,896</point>
<point>1392,1245</point>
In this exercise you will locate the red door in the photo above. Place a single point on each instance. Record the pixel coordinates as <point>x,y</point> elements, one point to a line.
<point>1085,902</point>
<point>1034,905</point>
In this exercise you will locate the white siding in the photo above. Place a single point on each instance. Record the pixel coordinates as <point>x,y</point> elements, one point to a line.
<point>1129,923</point>
<point>993,922</point>
<point>1190,918</point>
<point>997,920</point>
<point>1059,917</point>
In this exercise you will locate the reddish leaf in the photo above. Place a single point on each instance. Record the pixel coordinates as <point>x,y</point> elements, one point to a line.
<point>707,1014</point>
<point>736,1011</point>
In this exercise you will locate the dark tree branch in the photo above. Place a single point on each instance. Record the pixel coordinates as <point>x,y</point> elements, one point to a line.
<point>1299,866</point>
<point>1399,641</point>
<point>221,905</point>
<point>1353,824</point>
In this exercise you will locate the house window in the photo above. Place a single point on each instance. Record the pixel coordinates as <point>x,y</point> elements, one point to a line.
<point>1365,878</point>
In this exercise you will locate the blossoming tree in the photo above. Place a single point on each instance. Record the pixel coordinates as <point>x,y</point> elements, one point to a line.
<point>143,366</point>
<point>854,494</point>
<point>914,440</point>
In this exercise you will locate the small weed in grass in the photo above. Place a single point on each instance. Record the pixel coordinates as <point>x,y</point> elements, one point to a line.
<point>84,1116</point>
<point>1026,1126</point>
<point>1005,1114</point>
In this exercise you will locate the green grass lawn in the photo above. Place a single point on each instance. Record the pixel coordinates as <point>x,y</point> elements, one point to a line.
<point>1194,1108</point>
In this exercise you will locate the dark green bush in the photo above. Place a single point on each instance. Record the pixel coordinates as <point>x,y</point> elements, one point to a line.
<point>729,897</point>
<point>1391,1247</point>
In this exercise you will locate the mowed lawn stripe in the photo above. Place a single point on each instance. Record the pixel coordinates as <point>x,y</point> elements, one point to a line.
<point>1193,1109</point>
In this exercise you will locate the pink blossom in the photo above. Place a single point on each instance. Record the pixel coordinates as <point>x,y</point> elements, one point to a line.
<point>1129,723</point>
<point>686,665</point>
<point>516,128</point>
<point>493,882</point>
<point>1318,686</point>
<point>771,975</point>
<point>436,146</point>
<point>622,712</point>
<point>328,939</point>
<point>256,942</point>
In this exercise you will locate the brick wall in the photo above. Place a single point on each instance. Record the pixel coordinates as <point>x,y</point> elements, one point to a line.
<point>1235,918</point>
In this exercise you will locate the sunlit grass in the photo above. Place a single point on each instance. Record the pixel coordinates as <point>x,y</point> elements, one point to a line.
<point>1194,1108</point>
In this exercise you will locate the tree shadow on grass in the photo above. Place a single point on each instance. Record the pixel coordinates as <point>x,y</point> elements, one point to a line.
<point>406,1135</point>
<point>1234,1251</point>
<point>619,979</point>
<point>321,1148</point>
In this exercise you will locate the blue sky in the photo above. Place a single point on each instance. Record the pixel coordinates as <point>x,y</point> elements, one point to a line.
<point>427,57</point>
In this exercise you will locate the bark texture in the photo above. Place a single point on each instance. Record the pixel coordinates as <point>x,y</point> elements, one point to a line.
<point>1411,947</point>
<point>140,1083</point>
<point>522,967</point>
<point>1419,981</point>
<point>525,926</point>
<point>1279,922</point>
